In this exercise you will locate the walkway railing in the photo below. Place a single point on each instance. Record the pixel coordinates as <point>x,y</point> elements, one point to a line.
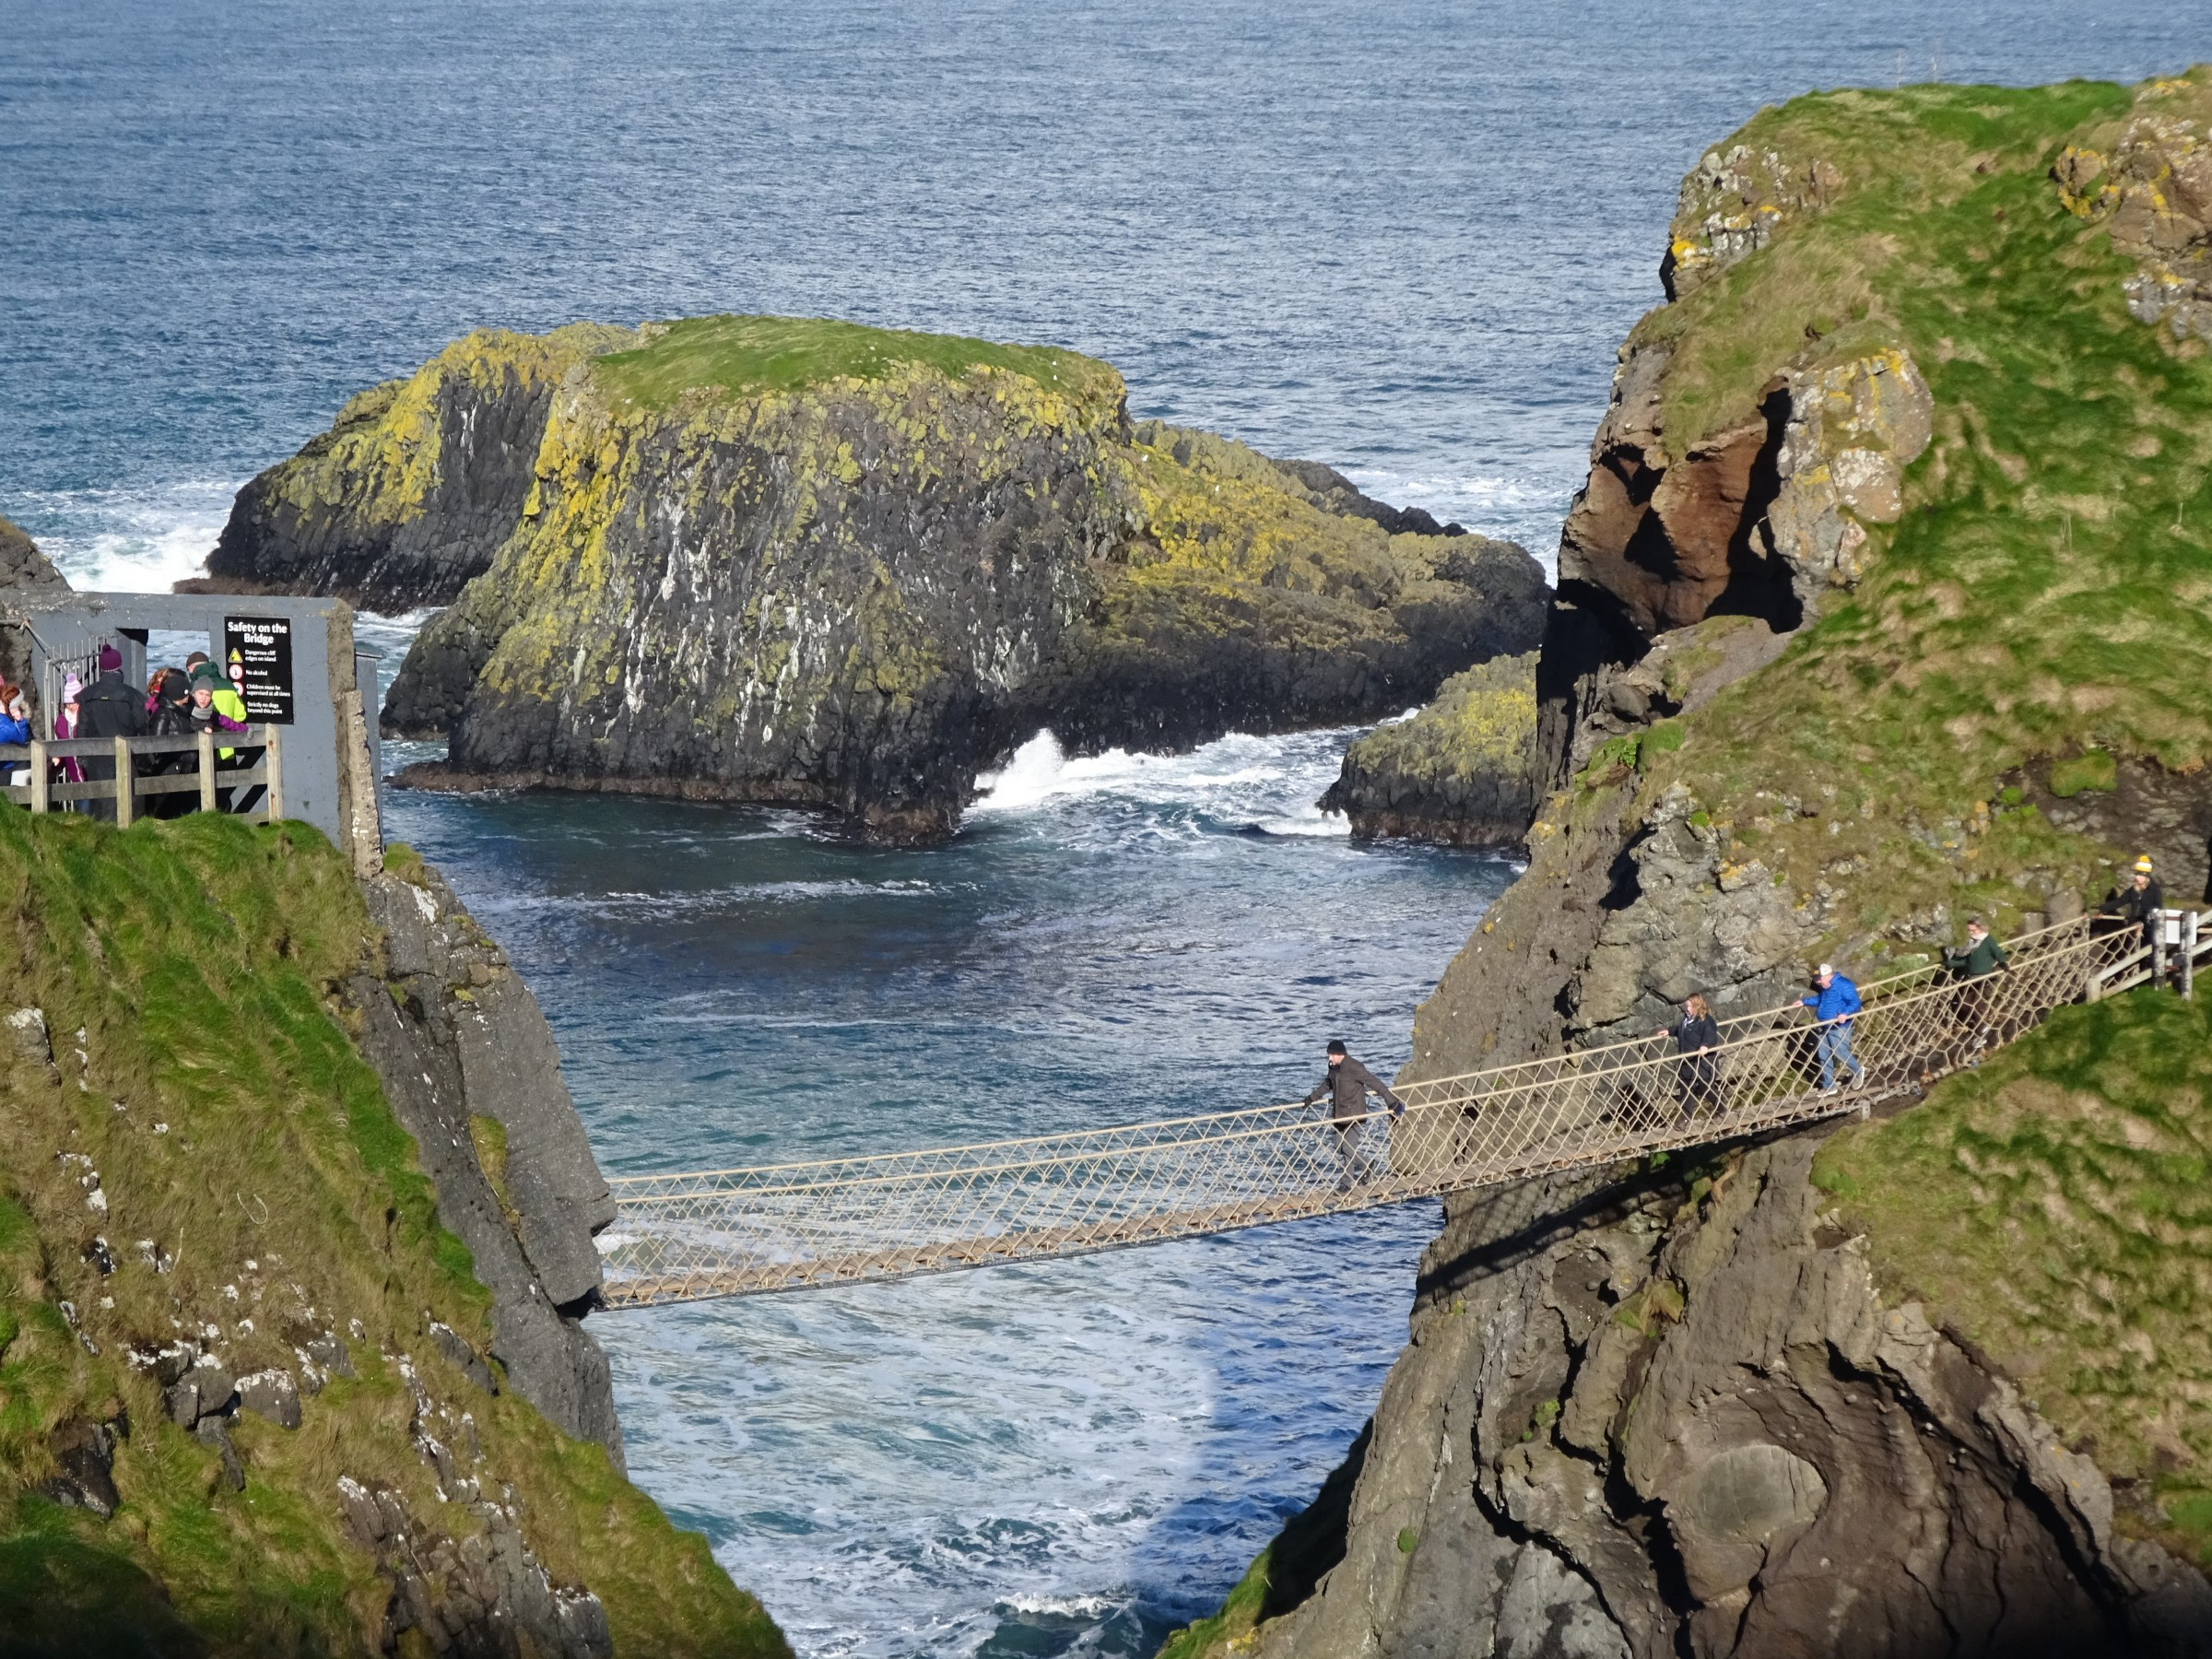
<point>734,1232</point>
<point>135,769</point>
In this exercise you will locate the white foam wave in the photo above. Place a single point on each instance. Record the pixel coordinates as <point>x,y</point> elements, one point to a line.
<point>139,540</point>
<point>1528,508</point>
<point>1238,774</point>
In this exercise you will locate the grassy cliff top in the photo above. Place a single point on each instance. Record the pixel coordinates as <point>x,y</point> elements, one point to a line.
<point>2044,601</point>
<point>2052,1208</point>
<point>254,1191</point>
<point>2047,593</point>
<point>750,355</point>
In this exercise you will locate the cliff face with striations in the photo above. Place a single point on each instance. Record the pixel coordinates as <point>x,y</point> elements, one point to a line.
<point>1873,613</point>
<point>416,485</point>
<point>760,559</point>
<point>295,1225</point>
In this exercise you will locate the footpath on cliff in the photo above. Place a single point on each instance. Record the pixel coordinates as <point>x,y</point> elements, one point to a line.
<point>1888,602</point>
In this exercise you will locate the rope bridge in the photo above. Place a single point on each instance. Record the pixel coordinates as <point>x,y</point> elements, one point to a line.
<point>781,1227</point>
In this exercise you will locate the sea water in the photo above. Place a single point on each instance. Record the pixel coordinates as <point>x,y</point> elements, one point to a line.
<point>1404,238</point>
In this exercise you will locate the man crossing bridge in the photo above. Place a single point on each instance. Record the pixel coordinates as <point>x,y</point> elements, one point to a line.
<point>1348,1084</point>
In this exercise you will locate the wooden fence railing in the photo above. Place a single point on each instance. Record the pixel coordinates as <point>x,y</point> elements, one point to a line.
<point>140,768</point>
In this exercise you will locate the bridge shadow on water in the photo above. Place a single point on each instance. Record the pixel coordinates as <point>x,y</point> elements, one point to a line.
<point>1264,1452</point>
<point>1490,1232</point>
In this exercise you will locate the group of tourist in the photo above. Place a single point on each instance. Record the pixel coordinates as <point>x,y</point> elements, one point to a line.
<point>177,702</point>
<point>1833,999</point>
<point>1835,1004</point>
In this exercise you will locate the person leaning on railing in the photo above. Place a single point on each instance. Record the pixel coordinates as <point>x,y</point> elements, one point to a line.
<point>170,717</point>
<point>1834,1002</point>
<point>109,707</point>
<point>2138,904</point>
<point>207,688</point>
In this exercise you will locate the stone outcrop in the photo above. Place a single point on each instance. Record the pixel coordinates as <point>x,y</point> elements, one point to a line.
<point>1761,520</point>
<point>23,569</point>
<point>468,1063</point>
<point>414,486</point>
<point>2154,193</point>
<point>25,572</point>
<point>1459,773</point>
<point>1730,205</point>
<point>1639,1418</point>
<point>763,560</point>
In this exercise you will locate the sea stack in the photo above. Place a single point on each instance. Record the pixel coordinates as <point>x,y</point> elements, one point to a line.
<point>774,559</point>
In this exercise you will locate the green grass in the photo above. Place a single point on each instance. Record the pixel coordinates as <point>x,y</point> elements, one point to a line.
<point>2049,590</point>
<point>233,1122</point>
<point>741,355</point>
<point>1239,1611</point>
<point>2053,1206</point>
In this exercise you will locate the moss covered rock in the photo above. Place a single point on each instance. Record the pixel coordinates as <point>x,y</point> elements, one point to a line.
<point>767,559</point>
<point>1459,772</point>
<point>251,1393</point>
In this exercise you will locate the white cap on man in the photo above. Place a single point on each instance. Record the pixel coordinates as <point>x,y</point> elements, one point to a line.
<point>1827,971</point>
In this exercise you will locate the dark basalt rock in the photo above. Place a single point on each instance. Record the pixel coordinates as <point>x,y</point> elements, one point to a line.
<point>852,588</point>
<point>414,486</point>
<point>1459,773</point>
<point>455,1036</point>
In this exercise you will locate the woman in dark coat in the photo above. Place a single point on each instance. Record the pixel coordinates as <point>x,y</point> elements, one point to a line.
<point>1698,1074</point>
<point>170,716</point>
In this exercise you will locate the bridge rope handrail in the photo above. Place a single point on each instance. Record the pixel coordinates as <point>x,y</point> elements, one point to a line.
<point>892,1214</point>
<point>1587,1063</point>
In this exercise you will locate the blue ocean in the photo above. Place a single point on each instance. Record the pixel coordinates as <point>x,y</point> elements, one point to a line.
<point>1405,239</point>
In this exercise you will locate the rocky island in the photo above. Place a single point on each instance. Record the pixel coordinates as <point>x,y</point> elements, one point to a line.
<point>1891,558</point>
<point>774,559</point>
<point>1459,771</point>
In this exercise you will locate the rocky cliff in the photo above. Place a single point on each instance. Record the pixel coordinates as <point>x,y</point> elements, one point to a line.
<point>760,559</point>
<point>24,571</point>
<point>295,1226</point>
<point>1459,772</point>
<point>1874,613</point>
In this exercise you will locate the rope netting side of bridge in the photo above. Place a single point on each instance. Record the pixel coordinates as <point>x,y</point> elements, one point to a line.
<point>732,1232</point>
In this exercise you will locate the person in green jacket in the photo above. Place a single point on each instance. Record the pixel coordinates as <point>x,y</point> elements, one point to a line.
<point>227,702</point>
<point>1972,967</point>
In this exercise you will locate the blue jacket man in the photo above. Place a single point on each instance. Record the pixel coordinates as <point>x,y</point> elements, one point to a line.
<point>1833,1002</point>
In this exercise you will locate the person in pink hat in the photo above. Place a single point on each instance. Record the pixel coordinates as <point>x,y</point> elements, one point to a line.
<point>64,725</point>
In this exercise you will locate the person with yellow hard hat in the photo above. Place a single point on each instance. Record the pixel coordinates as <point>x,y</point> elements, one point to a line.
<point>2140,903</point>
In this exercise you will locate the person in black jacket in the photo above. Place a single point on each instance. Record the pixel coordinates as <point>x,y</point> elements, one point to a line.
<point>1698,1074</point>
<point>1346,1084</point>
<point>172,705</point>
<point>109,707</point>
<point>2139,904</point>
